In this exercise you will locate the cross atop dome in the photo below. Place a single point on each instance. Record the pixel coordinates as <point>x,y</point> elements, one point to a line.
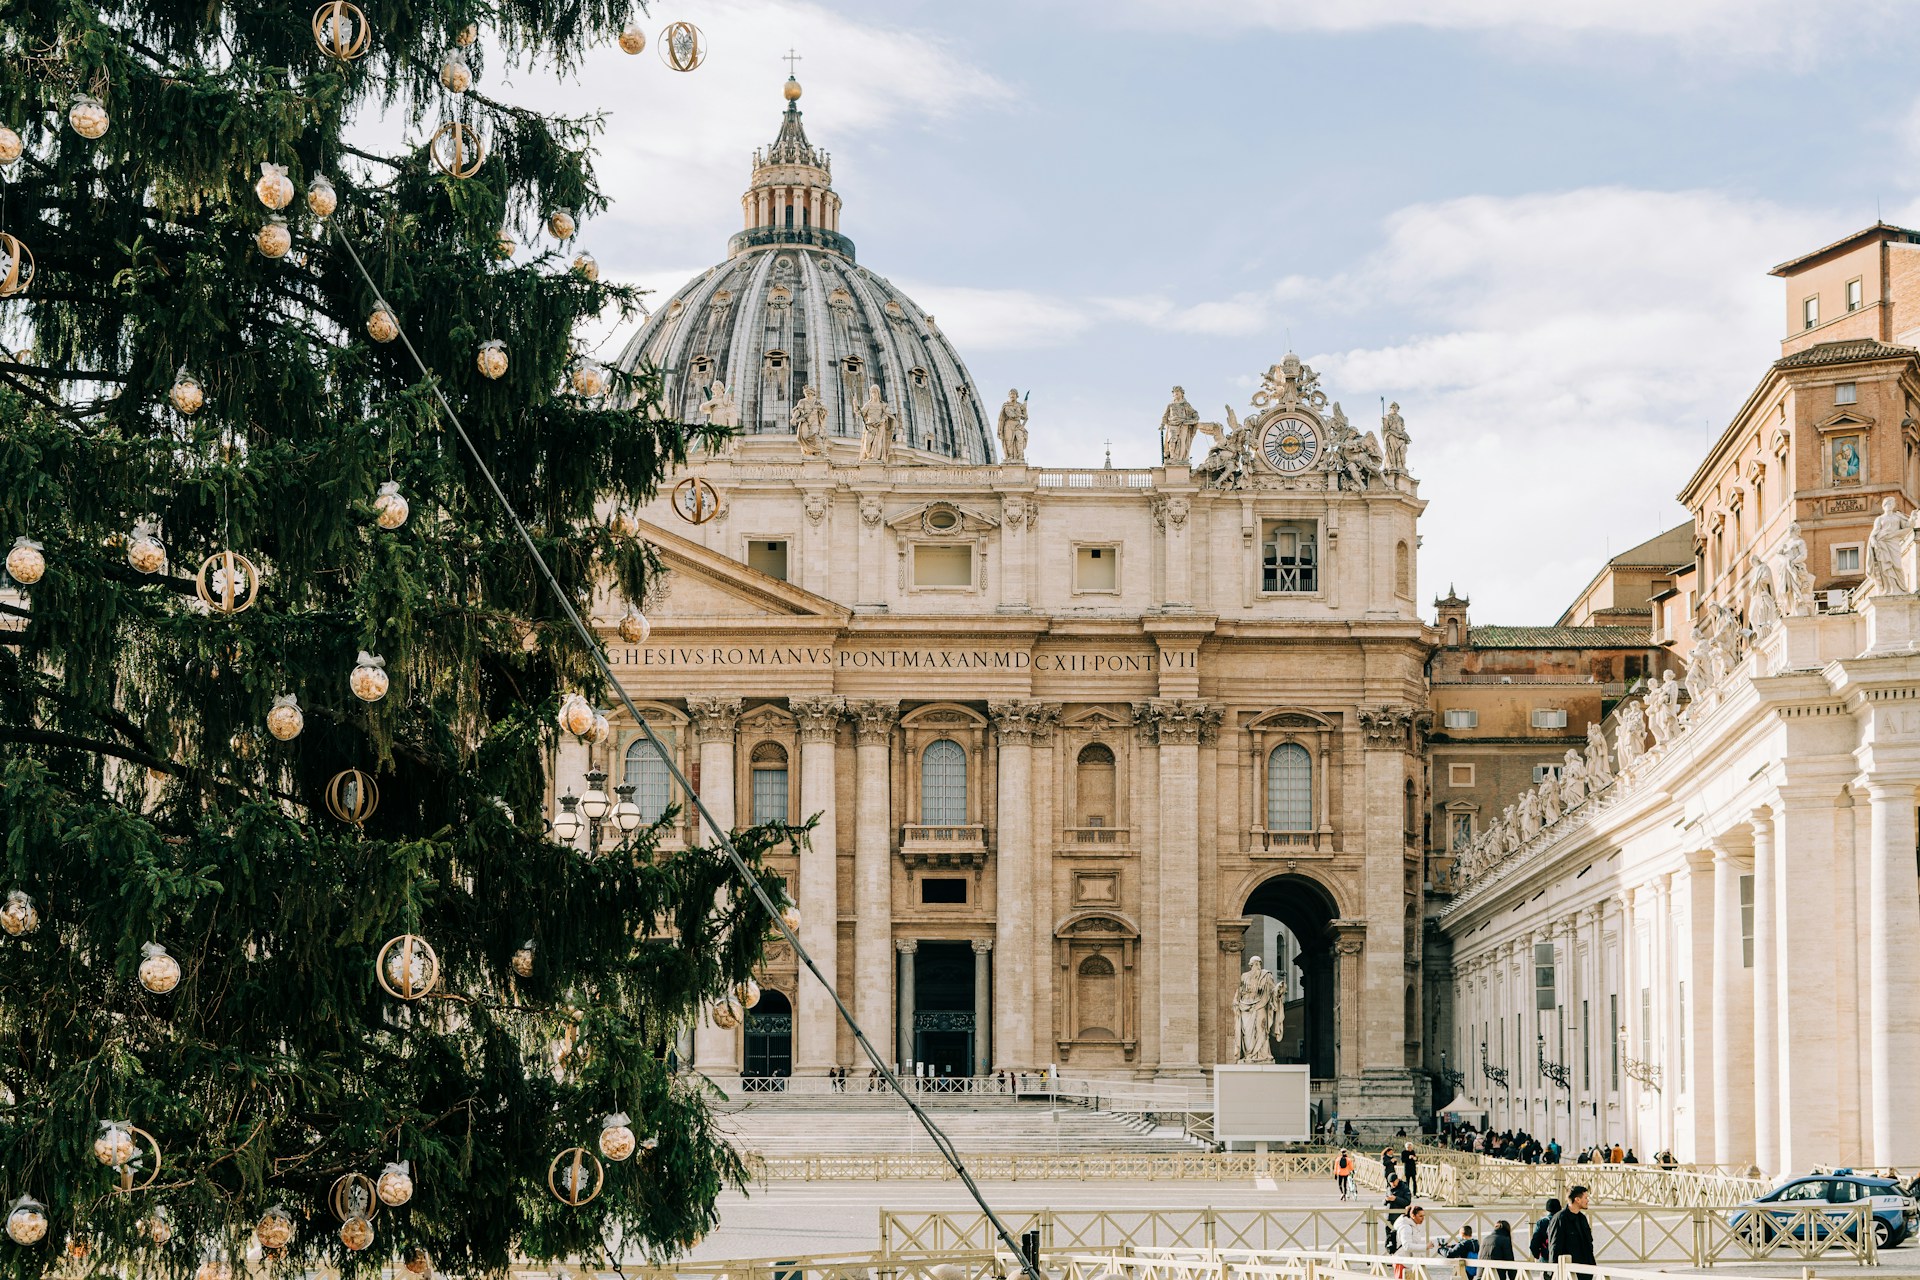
<point>791,199</point>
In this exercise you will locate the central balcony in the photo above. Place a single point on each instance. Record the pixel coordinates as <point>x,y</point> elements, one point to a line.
<point>944,844</point>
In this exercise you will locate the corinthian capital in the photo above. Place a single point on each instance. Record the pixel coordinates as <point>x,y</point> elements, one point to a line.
<point>1389,725</point>
<point>1023,721</point>
<point>714,717</point>
<point>818,716</point>
<point>873,718</point>
<point>1176,721</point>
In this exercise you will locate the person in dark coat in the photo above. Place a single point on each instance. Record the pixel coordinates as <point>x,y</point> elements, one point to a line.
<point>1570,1237</point>
<point>1537,1245</point>
<point>1500,1249</point>
<point>1411,1163</point>
<point>1387,1167</point>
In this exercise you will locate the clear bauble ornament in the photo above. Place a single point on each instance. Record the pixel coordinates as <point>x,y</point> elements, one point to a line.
<point>616,1137</point>
<point>159,972</point>
<point>27,561</point>
<point>356,1233</point>
<point>418,1261</point>
<point>634,627</point>
<point>390,506</point>
<point>214,1269</point>
<point>27,1221</point>
<point>455,75</point>
<point>623,523</point>
<point>144,552</point>
<point>597,732</point>
<point>274,187</point>
<point>322,200</point>
<point>11,147</point>
<point>88,116</point>
<point>187,394</point>
<point>576,715</point>
<point>790,916</point>
<point>522,961</point>
<point>560,222</point>
<point>395,1186</point>
<point>18,916</point>
<point>285,720</point>
<point>503,245</point>
<point>633,40</point>
<point>158,1225</point>
<point>275,238</point>
<point>369,679</point>
<point>468,34</point>
<point>491,359</point>
<point>584,264</point>
<point>748,993</point>
<point>115,1145</point>
<point>382,324</point>
<point>727,1014</point>
<point>274,1231</point>
<point>589,379</point>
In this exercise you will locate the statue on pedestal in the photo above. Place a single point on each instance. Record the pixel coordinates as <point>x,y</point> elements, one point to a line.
<point>877,416</point>
<point>1393,434</point>
<point>1013,428</point>
<point>1177,427</point>
<point>1796,580</point>
<point>1890,533</point>
<point>1763,606</point>
<point>809,418</point>
<point>1259,1013</point>
<point>1599,763</point>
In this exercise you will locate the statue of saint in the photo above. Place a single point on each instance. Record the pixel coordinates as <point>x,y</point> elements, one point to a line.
<point>1599,763</point>
<point>1573,781</point>
<point>1629,736</point>
<point>1177,427</point>
<point>1393,432</point>
<point>721,408</point>
<point>1225,463</point>
<point>877,417</point>
<point>1013,428</point>
<point>1763,606</point>
<point>1259,1013</point>
<point>1884,545</point>
<point>809,419</point>
<point>1795,578</point>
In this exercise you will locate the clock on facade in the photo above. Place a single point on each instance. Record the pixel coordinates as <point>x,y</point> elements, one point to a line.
<point>1289,444</point>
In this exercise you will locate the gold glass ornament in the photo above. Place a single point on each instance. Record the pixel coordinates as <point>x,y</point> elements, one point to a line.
<point>790,916</point>
<point>88,116</point>
<point>275,238</point>
<point>18,916</point>
<point>576,1176</point>
<point>274,1231</point>
<point>682,46</point>
<point>159,972</point>
<point>396,1180</point>
<point>369,679</point>
<point>144,552</point>
<point>589,378</point>
<point>522,961</point>
<point>576,715</point>
<point>274,187</point>
<point>340,30</point>
<point>503,245</point>
<point>748,993</point>
<point>598,733</point>
<point>11,147</point>
<point>390,506</point>
<point>560,222</point>
<point>455,75</point>
<point>16,266</point>
<point>356,1234</point>
<point>114,1147</point>
<point>633,40</point>
<point>27,562</point>
<point>158,1225</point>
<point>634,627</point>
<point>468,34</point>
<point>187,394</point>
<point>27,1221</point>
<point>408,969</point>
<point>584,264</point>
<point>382,325</point>
<point>352,796</point>
<point>616,1137</point>
<point>457,149</point>
<point>727,1013</point>
<point>245,747</point>
<point>285,720</point>
<point>322,200</point>
<point>491,359</point>
<point>227,582</point>
<point>623,523</point>
<point>417,1261</point>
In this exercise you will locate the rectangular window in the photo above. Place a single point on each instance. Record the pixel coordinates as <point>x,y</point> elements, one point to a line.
<point>1096,569</point>
<point>1460,719</point>
<point>1549,718</point>
<point>1290,556</point>
<point>1846,560</point>
<point>943,566</point>
<point>1541,772</point>
<point>769,795</point>
<point>768,557</point>
<point>1746,922</point>
<point>1853,295</point>
<point>1846,393</point>
<point>1543,986</point>
<point>1459,775</point>
<point>1810,311</point>
<point>943,891</point>
<point>1614,1028</point>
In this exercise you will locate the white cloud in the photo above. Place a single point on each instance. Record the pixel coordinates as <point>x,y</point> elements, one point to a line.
<point>998,319</point>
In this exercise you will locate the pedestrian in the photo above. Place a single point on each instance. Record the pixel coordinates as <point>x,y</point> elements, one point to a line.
<point>1618,1154</point>
<point>1387,1168</point>
<point>1570,1238</point>
<point>1466,1248</point>
<point>1537,1246</point>
<point>1500,1248</point>
<point>1632,1158</point>
<point>1343,1173</point>
<point>1411,1163</point>
<point>1414,1241</point>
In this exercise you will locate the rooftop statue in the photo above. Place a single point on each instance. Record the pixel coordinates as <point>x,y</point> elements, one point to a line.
<point>1393,432</point>
<point>1177,427</point>
<point>809,419</point>
<point>1013,428</point>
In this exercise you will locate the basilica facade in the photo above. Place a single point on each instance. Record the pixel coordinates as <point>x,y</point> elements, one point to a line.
<point>1077,743</point>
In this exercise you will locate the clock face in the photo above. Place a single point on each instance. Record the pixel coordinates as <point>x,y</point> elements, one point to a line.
<point>1289,444</point>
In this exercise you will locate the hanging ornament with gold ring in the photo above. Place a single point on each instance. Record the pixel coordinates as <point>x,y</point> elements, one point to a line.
<point>407,969</point>
<point>682,46</point>
<point>695,501</point>
<point>16,266</point>
<point>457,149</point>
<point>227,582</point>
<point>341,30</point>
<point>352,796</point>
<point>576,1176</point>
<point>137,1162</point>
<point>353,1196</point>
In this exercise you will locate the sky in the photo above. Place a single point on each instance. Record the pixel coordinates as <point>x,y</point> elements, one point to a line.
<point>1543,228</point>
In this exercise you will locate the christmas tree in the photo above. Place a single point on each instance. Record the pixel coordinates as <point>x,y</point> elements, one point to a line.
<point>279,678</point>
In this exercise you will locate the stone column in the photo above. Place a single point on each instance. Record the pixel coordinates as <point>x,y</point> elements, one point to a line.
<point>873,962</point>
<point>907,948</point>
<point>1893,958</point>
<point>1766,1048</point>
<point>1732,1059</point>
<point>1629,1031</point>
<point>716,1050</point>
<point>1387,731</point>
<point>1665,1030</point>
<point>1177,724</point>
<point>1805,911</point>
<point>816,1024</point>
<point>1016,723</point>
<point>982,1006</point>
<point>1349,948</point>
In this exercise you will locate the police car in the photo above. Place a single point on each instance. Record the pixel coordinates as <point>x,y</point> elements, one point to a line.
<point>1894,1215</point>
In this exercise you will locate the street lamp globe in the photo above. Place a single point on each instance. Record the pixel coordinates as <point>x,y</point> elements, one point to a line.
<point>566,823</point>
<point>595,803</point>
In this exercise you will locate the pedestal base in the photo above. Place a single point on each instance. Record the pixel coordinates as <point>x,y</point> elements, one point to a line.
<point>1380,1105</point>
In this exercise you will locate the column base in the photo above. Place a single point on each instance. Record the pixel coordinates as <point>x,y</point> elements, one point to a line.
<point>1379,1104</point>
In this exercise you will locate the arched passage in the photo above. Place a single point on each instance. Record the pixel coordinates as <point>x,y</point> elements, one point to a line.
<point>1303,910</point>
<point>769,1037</point>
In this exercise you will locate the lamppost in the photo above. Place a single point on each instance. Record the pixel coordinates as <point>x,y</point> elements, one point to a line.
<point>597,808</point>
<point>1496,1076</point>
<point>1646,1073</point>
<point>1453,1078</point>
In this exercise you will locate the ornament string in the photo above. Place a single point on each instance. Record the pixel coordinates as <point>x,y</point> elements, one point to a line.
<point>720,833</point>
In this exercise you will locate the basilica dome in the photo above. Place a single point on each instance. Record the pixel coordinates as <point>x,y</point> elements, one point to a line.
<point>790,308</point>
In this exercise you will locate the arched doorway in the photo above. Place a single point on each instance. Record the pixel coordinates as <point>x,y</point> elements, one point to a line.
<point>769,1036</point>
<point>1291,933</point>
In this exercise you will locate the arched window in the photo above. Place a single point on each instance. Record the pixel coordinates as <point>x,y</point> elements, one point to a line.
<point>1289,788</point>
<point>1403,570</point>
<point>1099,1002</point>
<point>1094,785</point>
<point>646,773</point>
<point>943,784</point>
<point>769,766</point>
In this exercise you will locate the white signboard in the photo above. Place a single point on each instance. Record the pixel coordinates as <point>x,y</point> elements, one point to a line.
<point>1272,1103</point>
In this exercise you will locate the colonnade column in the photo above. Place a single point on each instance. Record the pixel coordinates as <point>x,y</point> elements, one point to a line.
<point>1631,980</point>
<point>1893,958</point>
<point>908,947</point>
<point>873,723</point>
<point>716,1050</point>
<point>1766,1048</point>
<point>1732,1016</point>
<point>1177,724</point>
<point>1017,723</point>
<point>816,1040</point>
<point>1349,948</point>
<point>982,1006</point>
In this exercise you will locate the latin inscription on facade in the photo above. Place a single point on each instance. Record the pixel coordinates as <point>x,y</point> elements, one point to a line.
<point>825,658</point>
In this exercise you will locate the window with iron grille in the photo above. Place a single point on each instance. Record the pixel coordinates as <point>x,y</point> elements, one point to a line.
<point>1290,557</point>
<point>1289,788</point>
<point>943,784</point>
<point>646,773</point>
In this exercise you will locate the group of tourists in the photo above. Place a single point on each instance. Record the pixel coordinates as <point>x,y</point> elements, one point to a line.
<point>1562,1234</point>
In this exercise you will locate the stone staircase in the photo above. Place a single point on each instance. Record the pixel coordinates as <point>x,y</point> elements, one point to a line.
<point>862,1124</point>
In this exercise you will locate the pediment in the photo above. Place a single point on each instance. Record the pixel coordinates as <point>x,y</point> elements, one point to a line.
<point>703,583</point>
<point>925,520</point>
<point>1845,420</point>
<point>1096,719</point>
